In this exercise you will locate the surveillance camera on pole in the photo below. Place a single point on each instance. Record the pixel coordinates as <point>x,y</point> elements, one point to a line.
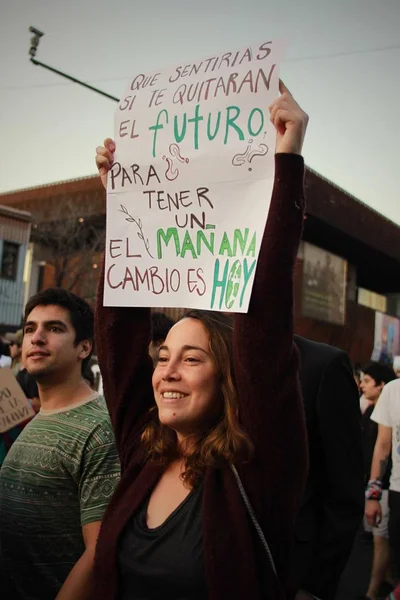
<point>32,51</point>
<point>34,40</point>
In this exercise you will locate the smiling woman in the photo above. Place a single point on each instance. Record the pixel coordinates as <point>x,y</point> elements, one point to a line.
<point>196,398</point>
<point>223,400</point>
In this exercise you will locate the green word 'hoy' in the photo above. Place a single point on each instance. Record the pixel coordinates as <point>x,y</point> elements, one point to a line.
<point>230,283</point>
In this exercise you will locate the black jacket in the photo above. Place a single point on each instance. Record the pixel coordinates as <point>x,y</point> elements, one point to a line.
<point>333,503</point>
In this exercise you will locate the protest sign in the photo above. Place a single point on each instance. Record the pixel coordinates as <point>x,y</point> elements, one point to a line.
<point>189,191</point>
<point>14,407</point>
<point>386,338</point>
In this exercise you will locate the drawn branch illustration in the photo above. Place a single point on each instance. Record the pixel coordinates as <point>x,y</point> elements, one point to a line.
<point>138,223</point>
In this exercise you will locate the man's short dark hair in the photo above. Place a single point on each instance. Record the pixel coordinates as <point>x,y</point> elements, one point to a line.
<point>160,326</point>
<point>80,313</point>
<point>379,373</point>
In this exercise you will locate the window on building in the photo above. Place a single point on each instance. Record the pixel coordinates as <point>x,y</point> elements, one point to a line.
<point>9,261</point>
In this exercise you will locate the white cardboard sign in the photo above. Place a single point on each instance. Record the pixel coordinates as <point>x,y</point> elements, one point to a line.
<point>189,192</point>
<point>14,407</point>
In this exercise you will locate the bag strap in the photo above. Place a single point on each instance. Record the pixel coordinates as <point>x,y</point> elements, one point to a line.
<point>253,517</point>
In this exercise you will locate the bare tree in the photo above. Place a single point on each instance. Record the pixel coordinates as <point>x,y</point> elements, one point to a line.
<point>70,235</point>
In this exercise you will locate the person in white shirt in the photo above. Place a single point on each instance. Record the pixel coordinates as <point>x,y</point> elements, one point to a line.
<point>387,415</point>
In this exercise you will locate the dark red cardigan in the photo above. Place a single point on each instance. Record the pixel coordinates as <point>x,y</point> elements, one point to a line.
<point>271,411</point>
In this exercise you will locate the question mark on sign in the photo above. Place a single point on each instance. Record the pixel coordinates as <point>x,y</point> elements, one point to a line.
<point>170,174</point>
<point>262,151</point>
<point>175,151</point>
<point>239,159</point>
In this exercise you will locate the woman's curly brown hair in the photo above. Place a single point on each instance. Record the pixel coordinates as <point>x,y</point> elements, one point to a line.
<point>222,442</point>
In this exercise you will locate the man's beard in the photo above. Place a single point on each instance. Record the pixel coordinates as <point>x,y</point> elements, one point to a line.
<point>41,374</point>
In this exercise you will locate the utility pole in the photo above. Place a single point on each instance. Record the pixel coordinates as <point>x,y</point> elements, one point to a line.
<point>32,51</point>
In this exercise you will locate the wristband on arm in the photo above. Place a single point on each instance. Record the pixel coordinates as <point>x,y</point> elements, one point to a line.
<point>374,490</point>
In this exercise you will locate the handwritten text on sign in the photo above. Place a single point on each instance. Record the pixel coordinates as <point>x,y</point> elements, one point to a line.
<point>14,407</point>
<point>189,191</point>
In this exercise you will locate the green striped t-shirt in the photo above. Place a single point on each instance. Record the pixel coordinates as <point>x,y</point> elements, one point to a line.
<point>58,476</point>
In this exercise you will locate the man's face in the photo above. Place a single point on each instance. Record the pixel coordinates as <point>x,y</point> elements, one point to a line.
<point>48,346</point>
<point>370,388</point>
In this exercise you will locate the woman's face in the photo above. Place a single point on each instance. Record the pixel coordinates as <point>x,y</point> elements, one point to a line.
<point>185,380</point>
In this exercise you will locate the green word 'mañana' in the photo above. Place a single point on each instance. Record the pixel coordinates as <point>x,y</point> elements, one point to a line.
<point>238,243</point>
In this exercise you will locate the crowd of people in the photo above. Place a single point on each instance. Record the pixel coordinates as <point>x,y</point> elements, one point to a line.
<point>219,457</point>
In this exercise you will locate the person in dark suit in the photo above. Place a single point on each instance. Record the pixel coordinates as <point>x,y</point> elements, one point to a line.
<point>333,502</point>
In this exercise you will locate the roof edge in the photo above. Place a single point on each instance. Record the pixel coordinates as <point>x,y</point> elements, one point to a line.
<point>15,213</point>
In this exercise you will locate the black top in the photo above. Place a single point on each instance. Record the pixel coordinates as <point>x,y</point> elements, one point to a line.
<point>370,433</point>
<point>167,561</point>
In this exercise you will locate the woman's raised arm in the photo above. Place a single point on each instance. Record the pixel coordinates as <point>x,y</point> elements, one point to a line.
<point>122,343</point>
<point>266,362</point>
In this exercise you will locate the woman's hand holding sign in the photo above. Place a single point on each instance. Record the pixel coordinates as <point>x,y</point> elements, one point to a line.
<point>105,159</point>
<point>290,122</point>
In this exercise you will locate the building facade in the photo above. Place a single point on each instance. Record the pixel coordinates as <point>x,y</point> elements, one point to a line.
<point>15,261</point>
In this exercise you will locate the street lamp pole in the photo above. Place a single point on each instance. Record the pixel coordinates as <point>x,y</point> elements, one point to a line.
<point>32,51</point>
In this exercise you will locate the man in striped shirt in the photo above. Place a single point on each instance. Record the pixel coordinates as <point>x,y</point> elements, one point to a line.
<point>60,473</point>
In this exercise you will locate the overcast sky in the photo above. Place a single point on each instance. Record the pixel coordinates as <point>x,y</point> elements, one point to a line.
<point>342,65</point>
